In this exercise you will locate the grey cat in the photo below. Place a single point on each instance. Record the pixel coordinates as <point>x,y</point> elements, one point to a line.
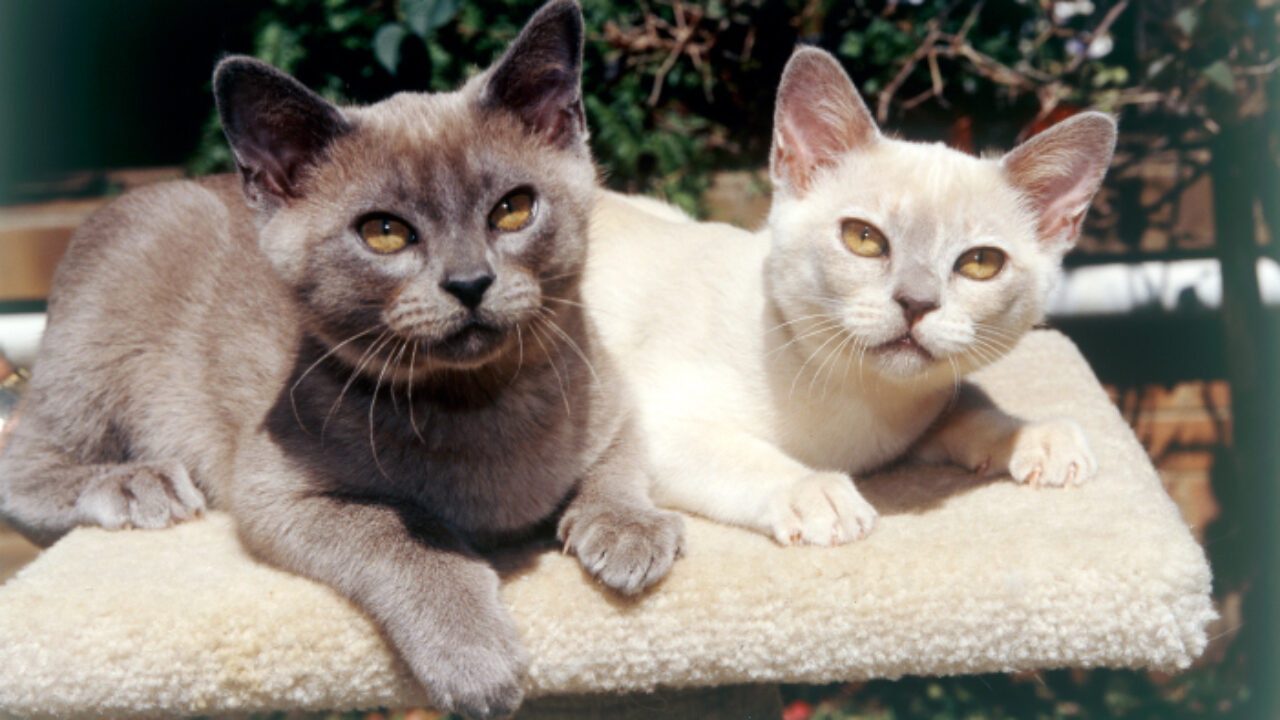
<point>370,349</point>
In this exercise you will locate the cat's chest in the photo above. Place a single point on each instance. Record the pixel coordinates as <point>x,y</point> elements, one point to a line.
<point>851,431</point>
<point>500,469</point>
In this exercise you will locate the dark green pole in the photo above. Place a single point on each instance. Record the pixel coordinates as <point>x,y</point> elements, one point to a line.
<point>1240,159</point>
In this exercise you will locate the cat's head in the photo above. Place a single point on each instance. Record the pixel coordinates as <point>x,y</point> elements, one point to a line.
<point>437,222</point>
<point>919,261</point>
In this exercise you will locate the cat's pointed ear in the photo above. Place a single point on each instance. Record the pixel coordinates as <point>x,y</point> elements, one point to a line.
<point>539,77</point>
<point>819,117</point>
<point>1060,170</point>
<point>274,124</point>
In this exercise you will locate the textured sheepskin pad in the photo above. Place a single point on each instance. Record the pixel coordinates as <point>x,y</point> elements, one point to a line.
<point>960,576</point>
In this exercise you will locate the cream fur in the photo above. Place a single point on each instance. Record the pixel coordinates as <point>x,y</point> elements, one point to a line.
<point>770,367</point>
<point>961,576</point>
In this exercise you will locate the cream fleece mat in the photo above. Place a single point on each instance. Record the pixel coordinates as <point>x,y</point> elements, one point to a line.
<point>960,576</point>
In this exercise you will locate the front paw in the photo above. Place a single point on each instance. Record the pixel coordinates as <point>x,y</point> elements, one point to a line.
<point>1053,453</point>
<point>628,549</point>
<point>478,677</point>
<point>140,495</point>
<point>821,509</point>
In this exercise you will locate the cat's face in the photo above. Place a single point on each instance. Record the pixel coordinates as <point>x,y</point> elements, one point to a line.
<point>918,256</point>
<point>437,223</point>
<point>427,230</point>
<point>915,261</point>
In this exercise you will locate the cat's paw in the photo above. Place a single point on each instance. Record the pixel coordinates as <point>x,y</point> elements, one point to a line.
<point>478,675</point>
<point>477,681</point>
<point>140,495</point>
<point>627,549</point>
<point>822,509</point>
<point>1053,453</point>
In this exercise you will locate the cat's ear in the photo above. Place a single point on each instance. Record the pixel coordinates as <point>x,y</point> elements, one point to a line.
<point>1060,170</point>
<point>818,118</point>
<point>274,124</point>
<point>539,77</point>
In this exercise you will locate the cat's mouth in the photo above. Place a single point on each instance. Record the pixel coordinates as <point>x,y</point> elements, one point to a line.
<point>472,344</point>
<point>905,342</point>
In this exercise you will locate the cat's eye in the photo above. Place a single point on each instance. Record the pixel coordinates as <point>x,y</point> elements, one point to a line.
<point>512,212</point>
<point>980,263</point>
<point>385,234</point>
<point>864,239</point>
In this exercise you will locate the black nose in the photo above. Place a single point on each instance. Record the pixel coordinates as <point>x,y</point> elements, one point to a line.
<point>469,291</point>
<point>915,308</point>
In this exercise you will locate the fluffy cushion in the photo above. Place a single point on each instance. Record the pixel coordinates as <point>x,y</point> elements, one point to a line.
<point>960,576</point>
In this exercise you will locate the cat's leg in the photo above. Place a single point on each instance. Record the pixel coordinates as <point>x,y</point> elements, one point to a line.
<point>733,477</point>
<point>45,492</point>
<point>976,434</point>
<point>612,525</point>
<point>436,599</point>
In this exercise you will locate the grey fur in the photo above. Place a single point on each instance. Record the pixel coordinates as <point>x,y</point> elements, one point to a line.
<point>240,346</point>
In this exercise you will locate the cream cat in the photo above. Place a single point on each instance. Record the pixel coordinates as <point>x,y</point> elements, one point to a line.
<point>770,367</point>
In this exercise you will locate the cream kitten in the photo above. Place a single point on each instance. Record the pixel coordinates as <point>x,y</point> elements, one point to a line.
<point>771,366</point>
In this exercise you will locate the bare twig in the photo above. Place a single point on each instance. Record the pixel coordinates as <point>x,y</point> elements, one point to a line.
<point>1266,69</point>
<point>1107,21</point>
<point>684,32</point>
<point>886,95</point>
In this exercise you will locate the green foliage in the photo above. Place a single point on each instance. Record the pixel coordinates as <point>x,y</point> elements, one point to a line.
<point>675,90</point>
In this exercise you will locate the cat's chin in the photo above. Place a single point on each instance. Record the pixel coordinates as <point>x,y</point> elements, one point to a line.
<point>472,346</point>
<point>903,358</point>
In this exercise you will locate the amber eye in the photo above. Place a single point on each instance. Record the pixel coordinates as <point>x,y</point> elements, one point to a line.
<point>385,234</point>
<point>980,263</point>
<point>512,212</point>
<point>864,239</point>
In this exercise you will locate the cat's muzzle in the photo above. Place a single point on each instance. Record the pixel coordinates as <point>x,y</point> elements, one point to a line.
<point>906,343</point>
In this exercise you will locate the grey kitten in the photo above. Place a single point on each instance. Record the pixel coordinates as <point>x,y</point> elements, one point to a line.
<point>370,350</point>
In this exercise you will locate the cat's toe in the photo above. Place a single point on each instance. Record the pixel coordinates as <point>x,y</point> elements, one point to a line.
<point>1054,454</point>
<point>141,495</point>
<point>626,549</point>
<point>822,509</point>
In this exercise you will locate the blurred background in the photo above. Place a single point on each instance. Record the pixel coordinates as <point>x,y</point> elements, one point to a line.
<point>1172,294</point>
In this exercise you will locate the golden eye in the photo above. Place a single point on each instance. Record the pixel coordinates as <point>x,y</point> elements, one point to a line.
<point>980,263</point>
<point>864,239</point>
<point>512,212</point>
<point>385,234</point>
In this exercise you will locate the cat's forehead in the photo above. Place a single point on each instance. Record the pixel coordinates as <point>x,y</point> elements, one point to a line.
<point>438,146</point>
<point>925,188</point>
<point>423,129</point>
<point>417,119</point>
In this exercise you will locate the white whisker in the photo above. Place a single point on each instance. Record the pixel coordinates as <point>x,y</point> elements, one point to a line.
<point>293,401</point>
<point>533,330</point>
<point>805,364</point>
<point>413,366</point>
<point>819,329</point>
<point>837,353</point>
<point>573,345</point>
<point>373,402</point>
<point>371,351</point>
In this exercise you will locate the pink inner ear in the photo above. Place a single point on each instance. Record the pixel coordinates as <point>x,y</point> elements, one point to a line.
<point>1060,170</point>
<point>1062,217</point>
<point>793,157</point>
<point>819,118</point>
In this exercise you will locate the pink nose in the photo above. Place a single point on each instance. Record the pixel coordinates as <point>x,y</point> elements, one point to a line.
<point>914,308</point>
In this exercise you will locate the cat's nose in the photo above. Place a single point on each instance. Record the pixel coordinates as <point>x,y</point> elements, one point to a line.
<point>468,290</point>
<point>914,308</point>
